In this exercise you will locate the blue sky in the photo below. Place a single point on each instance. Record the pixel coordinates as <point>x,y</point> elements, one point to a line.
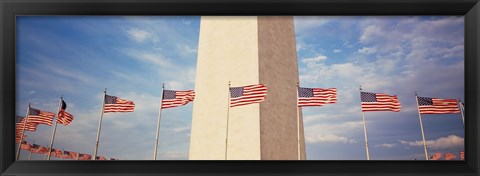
<point>79,56</point>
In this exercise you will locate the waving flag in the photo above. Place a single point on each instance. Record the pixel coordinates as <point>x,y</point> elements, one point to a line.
<point>100,158</point>
<point>462,155</point>
<point>25,145</point>
<point>64,117</point>
<point>69,155</point>
<point>436,156</point>
<point>316,96</point>
<point>247,95</point>
<point>56,153</point>
<point>18,134</point>
<point>115,104</point>
<point>38,116</point>
<point>19,122</point>
<point>39,149</point>
<point>82,156</point>
<point>450,156</point>
<point>174,98</point>
<point>379,102</point>
<point>437,106</point>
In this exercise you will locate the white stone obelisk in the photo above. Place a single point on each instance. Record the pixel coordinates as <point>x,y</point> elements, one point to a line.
<point>246,50</point>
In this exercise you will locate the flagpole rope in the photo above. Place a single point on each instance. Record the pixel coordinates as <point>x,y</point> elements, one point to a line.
<point>298,125</point>
<point>23,131</point>
<point>462,112</point>
<point>94,157</point>
<point>228,114</point>
<point>421,127</point>
<point>364,128</point>
<point>158,124</point>
<point>54,128</point>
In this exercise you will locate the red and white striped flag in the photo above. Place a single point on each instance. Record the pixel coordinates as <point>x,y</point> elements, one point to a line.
<point>316,96</point>
<point>115,104</point>
<point>39,149</point>
<point>56,153</point>
<point>436,156</point>
<point>175,98</point>
<point>379,102</point>
<point>100,158</point>
<point>18,134</point>
<point>450,156</point>
<point>82,156</point>
<point>38,116</point>
<point>19,123</point>
<point>462,155</point>
<point>63,116</point>
<point>245,95</point>
<point>437,106</point>
<point>25,145</point>
<point>69,155</point>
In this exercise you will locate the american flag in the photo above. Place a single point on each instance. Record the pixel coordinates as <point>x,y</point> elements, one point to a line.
<point>450,156</point>
<point>115,104</point>
<point>316,96</point>
<point>247,94</point>
<point>173,98</point>
<point>19,122</point>
<point>39,149</point>
<point>82,156</point>
<point>69,155</point>
<point>25,145</point>
<point>38,116</point>
<point>100,158</point>
<point>64,117</point>
<point>436,156</point>
<point>18,134</point>
<point>437,106</point>
<point>56,153</point>
<point>462,155</point>
<point>379,102</point>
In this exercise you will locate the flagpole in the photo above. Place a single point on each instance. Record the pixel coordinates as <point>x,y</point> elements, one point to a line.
<point>365,129</point>
<point>45,158</point>
<point>99,125</point>
<point>55,128</point>
<point>228,114</point>
<point>158,124</point>
<point>461,111</point>
<point>30,156</point>
<point>23,131</point>
<point>421,127</point>
<point>298,125</point>
<point>366,137</point>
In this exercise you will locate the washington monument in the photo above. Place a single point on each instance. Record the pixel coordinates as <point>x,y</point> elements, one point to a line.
<point>244,51</point>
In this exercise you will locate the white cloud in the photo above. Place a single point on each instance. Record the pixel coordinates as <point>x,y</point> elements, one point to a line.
<point>188,49</point>
<point>386,145</point>
<point>332,138</point>
<point>367,50</point>
<point>314,60</point>
<point>337,50</point>
<point>150,58</point>
<point>174,155</point>
<point>138,35</point>
<point>186,22</point>
<point>321,132</point>
<point>449,142</point>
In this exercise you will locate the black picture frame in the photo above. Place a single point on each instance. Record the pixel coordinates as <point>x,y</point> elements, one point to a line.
<point>11,8</point>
